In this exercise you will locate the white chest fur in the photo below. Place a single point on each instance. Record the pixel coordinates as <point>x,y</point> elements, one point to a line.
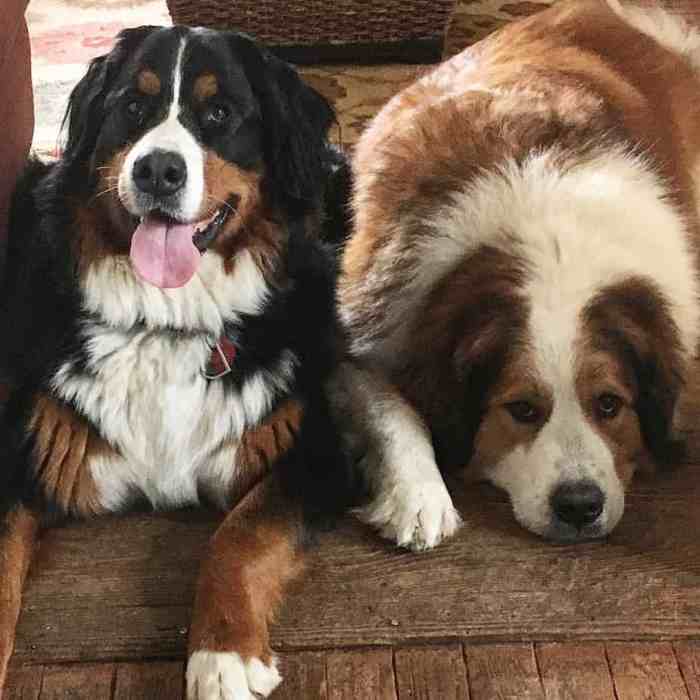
<point>175,432</point>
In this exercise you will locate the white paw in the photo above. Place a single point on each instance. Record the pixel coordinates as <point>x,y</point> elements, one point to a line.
<point>214,675</point>
<point>414,515</point>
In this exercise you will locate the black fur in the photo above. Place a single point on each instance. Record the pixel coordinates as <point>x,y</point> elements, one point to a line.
<point>283,124</point>
<point>297,116</point>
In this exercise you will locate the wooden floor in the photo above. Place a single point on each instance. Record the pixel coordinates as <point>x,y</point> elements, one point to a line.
<point>494,613</point>
<point>612,671</point>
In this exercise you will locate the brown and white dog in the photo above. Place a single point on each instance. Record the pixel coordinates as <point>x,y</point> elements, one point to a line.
<point>523,269</point>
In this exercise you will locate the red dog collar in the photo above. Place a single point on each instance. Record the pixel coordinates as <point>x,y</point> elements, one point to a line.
<point>221,360</point>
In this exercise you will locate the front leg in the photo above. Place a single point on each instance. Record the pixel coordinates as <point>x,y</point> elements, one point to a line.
<point>45,454</point>
<point>409,501</point>
<point>251,557</point>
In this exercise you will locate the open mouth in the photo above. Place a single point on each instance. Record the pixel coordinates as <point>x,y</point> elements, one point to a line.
<point>166,252</point>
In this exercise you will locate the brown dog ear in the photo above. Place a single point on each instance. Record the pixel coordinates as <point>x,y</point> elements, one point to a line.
<point>471,324</point>
<point>632,319</point>
<point>659,378</point>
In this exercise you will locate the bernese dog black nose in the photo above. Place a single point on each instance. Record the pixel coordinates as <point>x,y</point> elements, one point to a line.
<point>160,173</point>
<point>578,503</point>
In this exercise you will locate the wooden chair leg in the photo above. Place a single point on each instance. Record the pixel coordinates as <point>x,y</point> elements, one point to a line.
<point>16,105</point>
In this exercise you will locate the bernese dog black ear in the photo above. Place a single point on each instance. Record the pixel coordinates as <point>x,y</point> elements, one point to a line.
<point>296,119</point>
<point>85,112</point>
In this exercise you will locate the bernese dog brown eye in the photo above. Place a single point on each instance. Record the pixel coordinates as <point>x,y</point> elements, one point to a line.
<point>608,406</point>
<point>135,110</point>
<point>523,411</point>
<point>216,115</point>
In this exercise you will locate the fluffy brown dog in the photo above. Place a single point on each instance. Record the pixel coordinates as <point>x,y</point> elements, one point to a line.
<point>523,272</point>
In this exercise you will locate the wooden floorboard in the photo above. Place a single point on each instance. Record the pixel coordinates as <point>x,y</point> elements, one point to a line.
<point>431,673</point>
<point>304,676</point>
<point>361,674</point>
<point>122,587</point>
<point>503,671</point>
<point>561,671</point>
<point>78,682</point>
<point>24,683</point>
<point>577,671</point>
<point>149,681</point>
<point>646,672</point>
<point>688,655</point>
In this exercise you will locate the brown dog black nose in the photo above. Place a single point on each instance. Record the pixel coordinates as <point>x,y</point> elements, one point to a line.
<point>578,503</point>
<point>160,173</point>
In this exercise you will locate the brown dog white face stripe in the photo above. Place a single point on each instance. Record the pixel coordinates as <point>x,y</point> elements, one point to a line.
<point>64,444</point>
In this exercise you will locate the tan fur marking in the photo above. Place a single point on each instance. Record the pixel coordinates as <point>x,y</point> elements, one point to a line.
<point>102,225</point>
<point>250,559</point>
<point>17,538</point>
<point>262,446</point>
<point>149,83</point>
<point>251,228</point>
<point>499,434</point>
<point>602,373</point>
<point>205,86</point>
<point>223,179</point>
<point>64,445</point>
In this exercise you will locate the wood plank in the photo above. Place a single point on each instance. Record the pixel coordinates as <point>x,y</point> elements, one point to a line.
<point>431,673</point>
<point>645,672</point>
<point>688,655</point>
<point>147,681</point>
<point>503,671</point>
<point>132,581</point>
<point>23,683</point>
<point>574,672</point>
<point>360,674</point>
<point>78,682</point>
<point>304,675</point>
<point>124,608</point>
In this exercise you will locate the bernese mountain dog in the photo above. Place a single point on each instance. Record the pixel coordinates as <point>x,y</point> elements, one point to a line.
<point>168,322</point>
<point>523,267</point>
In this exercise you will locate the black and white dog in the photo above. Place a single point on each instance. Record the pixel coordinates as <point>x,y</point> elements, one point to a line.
<point>168,320</point>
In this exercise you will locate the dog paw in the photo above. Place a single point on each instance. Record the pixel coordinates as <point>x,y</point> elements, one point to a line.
<point>213,675</point>
<point>414,515</point>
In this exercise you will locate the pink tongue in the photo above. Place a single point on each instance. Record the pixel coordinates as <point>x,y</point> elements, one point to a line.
<point>163,253</point>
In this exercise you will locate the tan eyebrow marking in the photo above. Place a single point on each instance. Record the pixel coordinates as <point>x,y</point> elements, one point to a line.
<point>205,87</point>
<point>148,82</point>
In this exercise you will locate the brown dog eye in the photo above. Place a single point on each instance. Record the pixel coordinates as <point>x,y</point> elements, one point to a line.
<point>608,406</point>
<point>523,411</point>
<point>135,110</point>
<point>216,115</point>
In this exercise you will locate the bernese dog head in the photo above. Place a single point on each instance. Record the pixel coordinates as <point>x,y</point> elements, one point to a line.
<point>185,145</point>
<point>524,264</point>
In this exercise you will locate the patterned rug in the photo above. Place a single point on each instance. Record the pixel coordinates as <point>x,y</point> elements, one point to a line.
<point>66,34</point>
